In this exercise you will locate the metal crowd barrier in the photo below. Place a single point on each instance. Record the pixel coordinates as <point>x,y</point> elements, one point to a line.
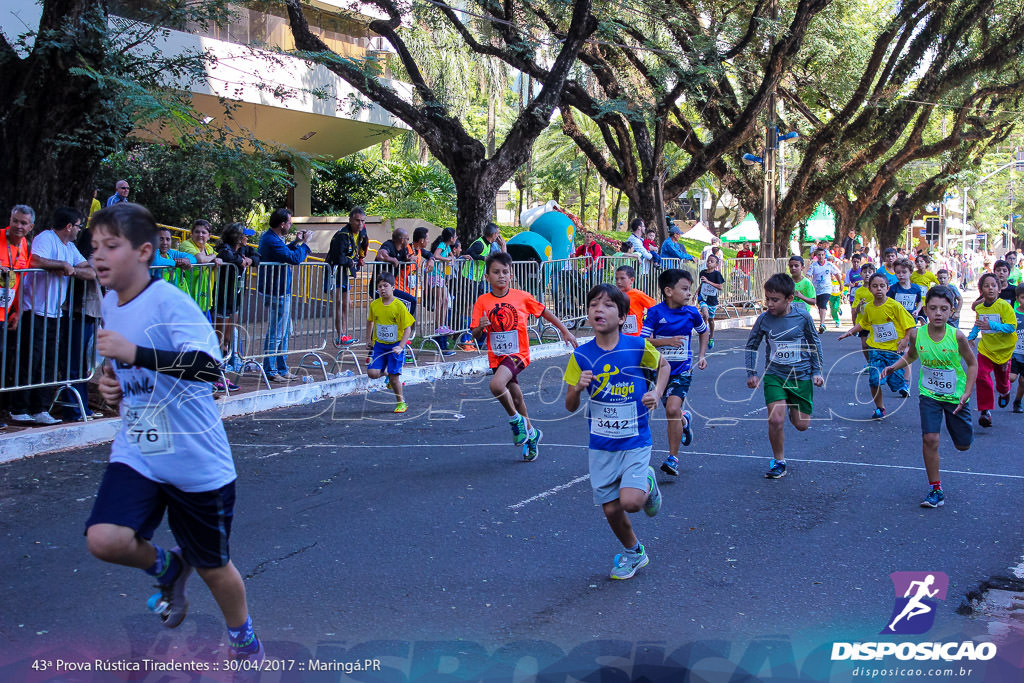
<point>48,359</point>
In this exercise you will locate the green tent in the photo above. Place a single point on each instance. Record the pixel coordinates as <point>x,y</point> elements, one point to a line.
<point>822,223</point>
<point>747,231</point>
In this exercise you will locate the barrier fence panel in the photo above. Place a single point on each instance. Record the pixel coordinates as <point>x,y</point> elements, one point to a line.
<point>48,356</point>
<point>285,310</point>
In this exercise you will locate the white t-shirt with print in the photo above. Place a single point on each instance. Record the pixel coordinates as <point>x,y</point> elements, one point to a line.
<point>43,293</point>
<point>171,428</point>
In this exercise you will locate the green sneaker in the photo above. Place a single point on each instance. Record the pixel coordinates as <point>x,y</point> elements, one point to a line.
<point>627,562</point>
<point>519,435</point>
<point>531,450</point>
<point>653,503</point>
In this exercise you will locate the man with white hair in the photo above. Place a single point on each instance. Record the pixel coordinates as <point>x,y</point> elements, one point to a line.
<point>120,193</point>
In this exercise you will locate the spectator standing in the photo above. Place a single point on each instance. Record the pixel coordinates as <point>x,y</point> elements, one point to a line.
<point>636,232</point>
<point>345,256</point>
<point>236,256</point>
<point>274,284</point>
<point>83,312</point>
<point>849,245</point>
<point>42,299</point>
<point>745,259</point>
<point>94,205</point>
<point>490,242</point>
<point>168,263</point>
<point>673,247</point>
<point>201,278</point>
<point>121,190</point>
<point>14,255</point>
<point>436,285</point>
<point>395,252</point>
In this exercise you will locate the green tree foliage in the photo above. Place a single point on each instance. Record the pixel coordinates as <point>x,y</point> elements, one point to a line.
<point>204,180</point>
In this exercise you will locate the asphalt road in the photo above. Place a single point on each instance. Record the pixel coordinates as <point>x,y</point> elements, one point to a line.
<point>427,540</point>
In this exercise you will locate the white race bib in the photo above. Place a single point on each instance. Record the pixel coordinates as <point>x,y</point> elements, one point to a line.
<point>708,290</point>
<point>836,289</point>
<point>504,343</point>
<point>613,420</point>
<point>387,334</point>
<point>6,297</point>
<point>785,353</point>
<point>941,381</point>
<point>991,318</point>
<point>629,327</point>
<point>676,353</point>
<point>1019,349</point>
<point>907,301</point>
<point>886,332</point>
<point>148,429</point>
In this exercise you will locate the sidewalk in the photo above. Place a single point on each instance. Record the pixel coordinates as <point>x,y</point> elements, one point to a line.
<point>18,442</point>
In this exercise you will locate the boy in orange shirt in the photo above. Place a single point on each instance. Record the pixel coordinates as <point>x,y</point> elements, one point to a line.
<point>503,313</point>
<point>639,302</point>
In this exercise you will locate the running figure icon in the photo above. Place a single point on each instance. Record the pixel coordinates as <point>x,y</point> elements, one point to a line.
<point>915,606</point>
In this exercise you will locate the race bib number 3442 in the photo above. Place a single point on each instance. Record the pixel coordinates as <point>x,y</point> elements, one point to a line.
<point>613,420</point>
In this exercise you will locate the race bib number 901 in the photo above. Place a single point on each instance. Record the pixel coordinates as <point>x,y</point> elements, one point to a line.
<point>785,353</point>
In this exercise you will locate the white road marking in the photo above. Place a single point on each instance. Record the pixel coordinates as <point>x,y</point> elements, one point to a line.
<point>549,492</point>
<point>576,445</point>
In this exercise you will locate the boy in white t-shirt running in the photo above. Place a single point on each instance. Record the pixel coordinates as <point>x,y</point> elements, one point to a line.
<point>171,454</point>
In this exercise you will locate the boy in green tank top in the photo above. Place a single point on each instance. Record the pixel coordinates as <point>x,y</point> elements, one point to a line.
<point>944,384</point>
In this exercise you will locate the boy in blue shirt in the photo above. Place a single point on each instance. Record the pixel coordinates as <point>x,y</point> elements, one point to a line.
<point>171,454</point>
<point>905,292</point>
<point>611,368</point>
<point>943,277</point>
<point>668,325</point>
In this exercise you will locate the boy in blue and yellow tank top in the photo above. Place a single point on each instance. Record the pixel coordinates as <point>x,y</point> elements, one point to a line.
<point>944,384</point>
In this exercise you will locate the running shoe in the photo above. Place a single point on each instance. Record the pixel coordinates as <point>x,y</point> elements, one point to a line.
<point>904,393</point>
<point>401,407</point>
<point>687,431</point>
<point>711,343</point>
<point>935,499</point>
<point>878,414</point>
<point>531,449</point>
<point>671,466</point>
<point>218,387</point>
<point>653,503</point>
<point>985,418</point>
<point>776,470</point>
<point>170,603</point>
<point>347,340</point>
<point>44,418</point>
<point>443,330</point>
<point>1004,400</point>
<point>821,330</point>
<point>627,562</point>
<point>231,385</point>
<point>519,433</point>
<point>447,353</point>
<point>1017,407</point>
<point>21,417</point>
<point>257,655</point>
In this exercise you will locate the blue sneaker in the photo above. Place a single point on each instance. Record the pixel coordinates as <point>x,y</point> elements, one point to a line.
<point>653,503</point>
<point>627,562</point>
<point>935,499</point>
<point>170,603</point>
<point>519,435</point>
<point>776,470</point>
<point>711,343</point>
<point>878,414</point>
<point>670,466</point>
<point>531,450</point>
<point>687,431</point>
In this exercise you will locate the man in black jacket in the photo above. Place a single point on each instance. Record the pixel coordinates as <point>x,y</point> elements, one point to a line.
<point>345,256</point>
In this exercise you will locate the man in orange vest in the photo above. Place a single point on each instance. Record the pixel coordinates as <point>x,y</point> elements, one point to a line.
<point>14,255</point>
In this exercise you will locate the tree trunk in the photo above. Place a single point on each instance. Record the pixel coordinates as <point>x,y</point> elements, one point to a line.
<point>56,126</point>
<point>615,209</point>
<point>602,205</point>
<point>492,117</point>
<point>474,202</point>
<point>385,150</point>
<point>423,155</point>
<point>584,186</point>
<point>644,204</point>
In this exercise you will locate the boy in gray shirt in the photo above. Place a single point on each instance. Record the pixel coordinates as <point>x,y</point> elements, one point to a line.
<point>792,365</point>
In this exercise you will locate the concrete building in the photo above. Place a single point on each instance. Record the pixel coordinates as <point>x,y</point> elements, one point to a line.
<point>281,99</point>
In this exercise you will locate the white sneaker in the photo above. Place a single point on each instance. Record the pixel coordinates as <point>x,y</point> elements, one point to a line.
<point>45,418</point>
<point>21,417</point>
<point>289,375</point>
<point>278,378</point>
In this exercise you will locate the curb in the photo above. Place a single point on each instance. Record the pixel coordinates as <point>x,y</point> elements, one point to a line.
<point>79,435</point>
